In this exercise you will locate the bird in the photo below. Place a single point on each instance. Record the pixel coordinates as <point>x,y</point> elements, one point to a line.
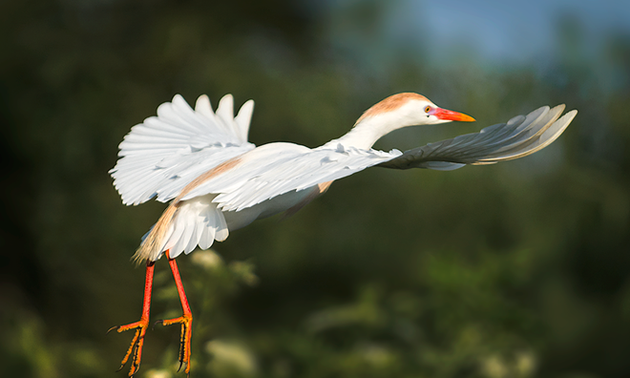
<point>214,180</point>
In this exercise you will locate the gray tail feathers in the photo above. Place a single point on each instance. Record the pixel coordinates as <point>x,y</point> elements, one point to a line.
<point>153,244</point>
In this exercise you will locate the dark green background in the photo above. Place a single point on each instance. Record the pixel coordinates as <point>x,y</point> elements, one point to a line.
<point>513,270</point>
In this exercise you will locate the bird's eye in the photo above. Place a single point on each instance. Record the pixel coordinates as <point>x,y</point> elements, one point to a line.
<point>427,109</point>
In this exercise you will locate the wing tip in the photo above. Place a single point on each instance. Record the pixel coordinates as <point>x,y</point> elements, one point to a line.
<point>571,114</point>
<point>227,101</point>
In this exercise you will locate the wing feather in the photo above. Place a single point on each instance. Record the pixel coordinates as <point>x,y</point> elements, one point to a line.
<point>160,156</point>
<point>279,168</point>
<point>519,137</point>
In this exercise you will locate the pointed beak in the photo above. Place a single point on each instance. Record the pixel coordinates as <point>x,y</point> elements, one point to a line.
<point>449,115</point>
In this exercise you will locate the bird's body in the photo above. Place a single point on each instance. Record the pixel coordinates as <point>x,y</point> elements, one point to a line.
<point>216,181</point>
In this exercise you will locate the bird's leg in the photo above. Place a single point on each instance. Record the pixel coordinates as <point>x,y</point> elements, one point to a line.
<point>185,320</point>
<point>135,349</point>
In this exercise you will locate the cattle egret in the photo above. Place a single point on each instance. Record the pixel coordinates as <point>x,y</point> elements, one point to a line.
<point>216,181</point>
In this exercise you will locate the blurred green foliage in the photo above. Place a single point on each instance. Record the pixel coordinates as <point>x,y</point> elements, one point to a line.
<point>514,270</point>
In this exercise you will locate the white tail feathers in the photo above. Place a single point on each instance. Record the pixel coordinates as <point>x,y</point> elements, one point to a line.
<point>182,227</point>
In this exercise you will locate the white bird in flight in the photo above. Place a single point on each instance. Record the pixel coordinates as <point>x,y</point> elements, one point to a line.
<point>216,181</point>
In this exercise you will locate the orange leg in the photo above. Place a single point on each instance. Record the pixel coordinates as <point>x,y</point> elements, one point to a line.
<point>185,320</point>
<point>135,349</point>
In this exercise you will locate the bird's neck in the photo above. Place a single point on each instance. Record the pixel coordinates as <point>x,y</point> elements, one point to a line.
<point>365,133</point>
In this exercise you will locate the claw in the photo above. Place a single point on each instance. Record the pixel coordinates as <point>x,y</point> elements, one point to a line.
<point>111,329</point>
<point>156,323</point>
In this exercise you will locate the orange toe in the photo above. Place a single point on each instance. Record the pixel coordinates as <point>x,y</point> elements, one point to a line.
<point>184,340</point>
<point>135,348</point>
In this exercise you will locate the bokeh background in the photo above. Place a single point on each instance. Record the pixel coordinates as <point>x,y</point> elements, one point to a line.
<point>514,270</point>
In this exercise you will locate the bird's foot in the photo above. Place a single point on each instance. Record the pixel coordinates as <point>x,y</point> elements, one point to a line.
<point>135,349</point>
<point>184,339</point>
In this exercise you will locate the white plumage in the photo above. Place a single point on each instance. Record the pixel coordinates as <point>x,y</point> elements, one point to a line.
<point>160,156</point>
<point>217,181</point>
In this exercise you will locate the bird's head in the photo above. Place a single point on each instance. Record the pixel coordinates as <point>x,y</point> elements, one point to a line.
<point>410,109</point>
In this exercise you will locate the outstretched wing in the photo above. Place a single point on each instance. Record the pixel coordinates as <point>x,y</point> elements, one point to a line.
<point>160,156</point>
<point>519,137</point>
<point>279,168</point>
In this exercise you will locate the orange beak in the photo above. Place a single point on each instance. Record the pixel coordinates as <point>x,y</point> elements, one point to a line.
<point>449,115</point>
